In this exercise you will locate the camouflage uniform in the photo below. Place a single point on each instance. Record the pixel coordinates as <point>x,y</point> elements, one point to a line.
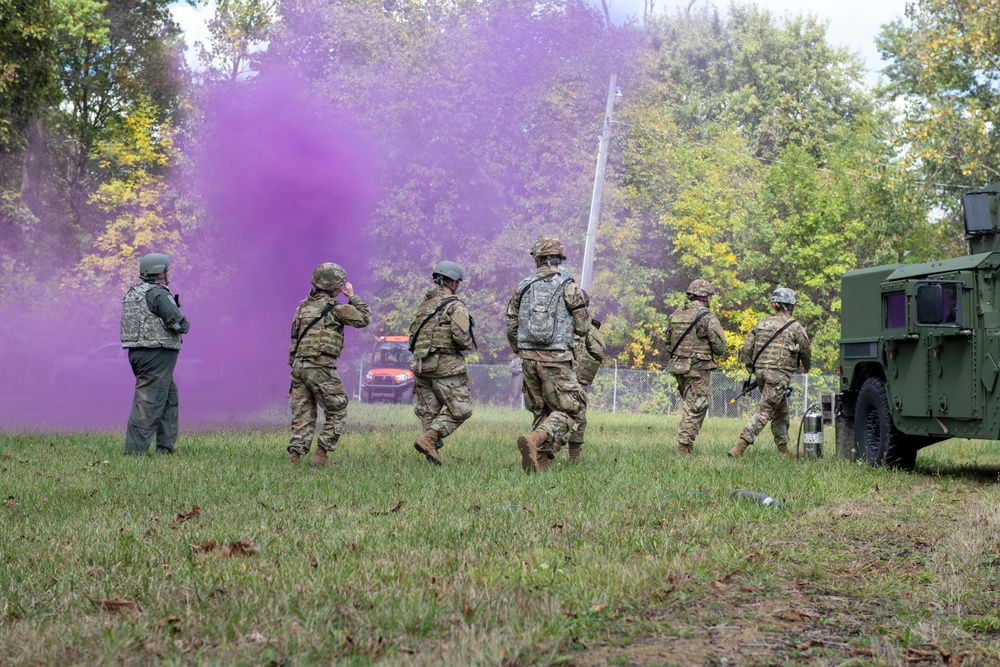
<point>773,371</point>
<point>442,400</point>
<point>314,368</point>
<point>589,356</point>
<point>550,387</point>
<point>151,328</point>
<point>691,364</point>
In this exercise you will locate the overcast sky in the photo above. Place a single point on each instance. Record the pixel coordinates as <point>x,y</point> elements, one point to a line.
<point>851,23</point>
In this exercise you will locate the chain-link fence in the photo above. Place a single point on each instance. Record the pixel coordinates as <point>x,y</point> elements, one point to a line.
<point>629,390</point>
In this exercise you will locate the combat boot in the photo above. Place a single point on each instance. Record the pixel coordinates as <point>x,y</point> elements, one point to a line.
<point>543,462</point>
<point>683,449</point>
<point>528,446</point>
<point>319,459</point>
<point>294,458</point>
<point>783,449</point>
<point>427,445</point>
<point>574,455</point>
<point>737,451</point>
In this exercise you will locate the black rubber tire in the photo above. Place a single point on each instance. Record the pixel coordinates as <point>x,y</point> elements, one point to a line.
<point>407,396</point>
<point>878,440</point>
<point>366,396</point>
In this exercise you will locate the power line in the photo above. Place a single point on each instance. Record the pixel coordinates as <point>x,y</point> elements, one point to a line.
<point>767,160</point>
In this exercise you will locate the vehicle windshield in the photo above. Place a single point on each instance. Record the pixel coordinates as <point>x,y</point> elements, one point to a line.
<point>392,355</point>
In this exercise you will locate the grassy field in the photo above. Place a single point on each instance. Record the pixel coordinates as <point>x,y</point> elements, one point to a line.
<point>635,557</point>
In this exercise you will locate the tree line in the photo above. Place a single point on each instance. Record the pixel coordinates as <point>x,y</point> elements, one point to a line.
<point>746,150</point>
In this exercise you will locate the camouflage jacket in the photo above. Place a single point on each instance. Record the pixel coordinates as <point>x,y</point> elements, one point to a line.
<point>786,353</point>
<point>437,349</point>
<point>575,302</point>
<point>589,353</point>
<point>323,342</point>
<point>699,349</point>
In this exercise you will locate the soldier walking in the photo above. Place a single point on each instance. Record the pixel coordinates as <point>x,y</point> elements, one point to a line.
<point>440,331</point>
<point>151,328</point>
<point>546,311</point>
<point>776,347</point>
<point>317,340</point>
<point>696,340</point>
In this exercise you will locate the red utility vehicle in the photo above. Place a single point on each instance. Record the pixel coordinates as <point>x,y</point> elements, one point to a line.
<point>389,377</point>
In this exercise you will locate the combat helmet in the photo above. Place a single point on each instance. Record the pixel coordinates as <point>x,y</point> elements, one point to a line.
<point>153,264</point>
<point>329,276</point>
<point>548,246</point>
<point>784,295</point>
<point>700,288</point>
<point>449,270</point>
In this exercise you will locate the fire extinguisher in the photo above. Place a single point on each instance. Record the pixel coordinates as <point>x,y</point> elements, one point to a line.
<point>811,433</point>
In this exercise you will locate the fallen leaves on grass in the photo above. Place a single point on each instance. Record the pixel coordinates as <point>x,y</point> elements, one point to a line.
<point>239,548</point>
<point>10,502</point>
<point>313,562</point>
<point>395,508</point>
<point>118,606</point>
<point>809,644</point>
<point>204,547</point>
<point>187,516</point>
<point>597,608</point>
<point>795,615</point>
<point>948,658</point>
<point>170,624</point>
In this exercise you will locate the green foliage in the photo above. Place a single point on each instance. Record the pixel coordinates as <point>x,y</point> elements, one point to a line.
<point>238,30</point>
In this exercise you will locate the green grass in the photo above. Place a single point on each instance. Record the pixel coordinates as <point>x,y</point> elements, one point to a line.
<point>637,556</point>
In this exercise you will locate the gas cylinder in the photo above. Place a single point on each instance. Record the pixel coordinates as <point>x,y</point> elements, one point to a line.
<point>812,432</point>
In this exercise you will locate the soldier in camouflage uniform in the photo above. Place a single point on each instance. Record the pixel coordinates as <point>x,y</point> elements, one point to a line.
<point>776,347</point>
<point>317,340</point>
<point>151,328</point>
<point>545,313</point>
<point>589,356</point>
<point>441,330</point>
<point>696,339</point>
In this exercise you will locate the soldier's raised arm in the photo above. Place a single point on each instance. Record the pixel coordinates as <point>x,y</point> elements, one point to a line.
<point>355,312</point>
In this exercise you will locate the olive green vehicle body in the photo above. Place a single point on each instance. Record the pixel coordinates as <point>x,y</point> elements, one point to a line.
<point>920,349</point>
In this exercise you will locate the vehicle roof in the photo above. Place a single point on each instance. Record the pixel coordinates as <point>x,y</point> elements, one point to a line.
<point>942,266</point>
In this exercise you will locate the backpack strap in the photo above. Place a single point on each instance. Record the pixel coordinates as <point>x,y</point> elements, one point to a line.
<point>688,330</point>
<point>324,313</point>
<point>769,341</point>
<point>444,302</point>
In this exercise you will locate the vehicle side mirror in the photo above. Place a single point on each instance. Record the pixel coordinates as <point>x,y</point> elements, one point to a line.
<point>930,304</point>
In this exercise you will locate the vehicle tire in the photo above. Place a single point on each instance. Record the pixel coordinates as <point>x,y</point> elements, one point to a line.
<point>366,395</point>
<point>407,396</point>
<point>878,440</point>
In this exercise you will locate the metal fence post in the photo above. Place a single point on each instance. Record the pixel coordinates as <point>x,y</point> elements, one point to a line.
<point>805,393</point>
<point>614,390</point>
<point>361,378</point>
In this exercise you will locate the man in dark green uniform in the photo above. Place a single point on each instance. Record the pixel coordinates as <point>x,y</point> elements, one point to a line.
<point>441,330</point>
<point>151,328</point>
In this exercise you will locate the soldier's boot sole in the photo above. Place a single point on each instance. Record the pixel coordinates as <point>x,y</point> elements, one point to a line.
<point>319,459</point>
<point>427,445</point>
<point>737,451</point>
<point>683,449</point>
<point>295,459</point>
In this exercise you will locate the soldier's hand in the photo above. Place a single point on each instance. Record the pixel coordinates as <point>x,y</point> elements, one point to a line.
<point>348,290</point>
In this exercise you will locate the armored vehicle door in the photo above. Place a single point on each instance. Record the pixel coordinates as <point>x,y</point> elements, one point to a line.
<point>905,354</point>
<point>943,311</point>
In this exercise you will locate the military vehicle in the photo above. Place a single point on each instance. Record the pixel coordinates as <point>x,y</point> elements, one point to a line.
<point>920,348</point>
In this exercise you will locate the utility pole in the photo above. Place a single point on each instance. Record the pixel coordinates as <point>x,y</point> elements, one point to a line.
<point>587,274</point>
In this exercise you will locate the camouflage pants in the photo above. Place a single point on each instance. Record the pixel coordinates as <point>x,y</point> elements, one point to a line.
<point>695,389</point>
<point>554,397</point>
<point>442,403</point>
<point>312,387</point>
<point>773,407</point>
<point>576,435</point>
<point>154,405</point>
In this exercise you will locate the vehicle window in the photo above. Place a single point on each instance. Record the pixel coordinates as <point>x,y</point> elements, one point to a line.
<point>939,303</point>
<point>894,306</point>
<point>394,355</point>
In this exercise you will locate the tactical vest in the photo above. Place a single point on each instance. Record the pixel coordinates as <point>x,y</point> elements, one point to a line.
<point>436,333</point>
<point>326,337</point>
<point>692,347</point>
<point>543,320</point>
<point>141,327</point>
<point>783,352</point>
